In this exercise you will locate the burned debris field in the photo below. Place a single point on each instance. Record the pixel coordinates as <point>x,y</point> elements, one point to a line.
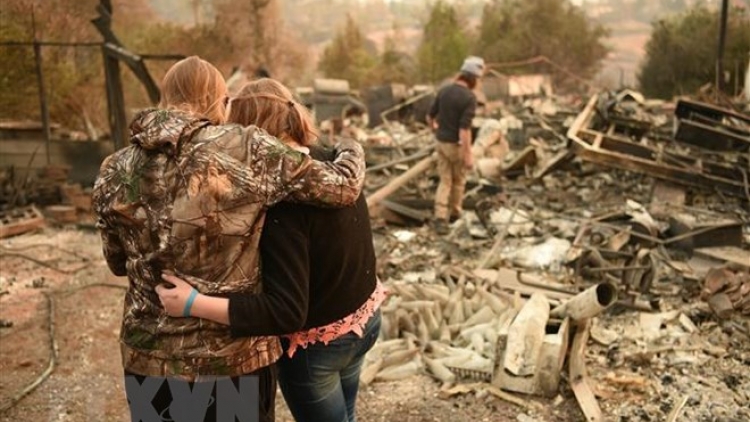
<point>657,255</point>
<point>596,267</point>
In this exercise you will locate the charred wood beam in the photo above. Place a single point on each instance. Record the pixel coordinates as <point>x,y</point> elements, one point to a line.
<point>112,54</point>
<point>421,167</point>
<point>115,100</point>
<point>103,24</point>
<point>135,63</point>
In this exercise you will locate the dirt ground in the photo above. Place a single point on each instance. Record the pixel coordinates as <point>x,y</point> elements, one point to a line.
<point>86,382</point>
<point>58,276</point>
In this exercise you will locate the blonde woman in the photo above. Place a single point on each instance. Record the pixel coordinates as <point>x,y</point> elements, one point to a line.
<point>319,279</point>
<point>189,196</point>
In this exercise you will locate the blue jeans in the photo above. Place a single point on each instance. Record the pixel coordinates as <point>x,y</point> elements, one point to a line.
<point>320,382</point>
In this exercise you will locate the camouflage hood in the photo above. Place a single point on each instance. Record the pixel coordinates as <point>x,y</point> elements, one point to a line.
<point>161,130</point>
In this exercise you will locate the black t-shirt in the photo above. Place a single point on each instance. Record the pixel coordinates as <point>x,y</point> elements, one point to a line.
<point>453,109</point>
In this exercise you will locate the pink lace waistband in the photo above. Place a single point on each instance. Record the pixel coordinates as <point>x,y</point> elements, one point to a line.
<point>352,323</point>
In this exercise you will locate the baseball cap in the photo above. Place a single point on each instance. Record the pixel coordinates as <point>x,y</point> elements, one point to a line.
<point>473,65</point>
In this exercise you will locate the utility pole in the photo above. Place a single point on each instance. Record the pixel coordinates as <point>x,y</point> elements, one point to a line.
<point>197,14</point>
<point>720,53</point>
<point>40,82</point>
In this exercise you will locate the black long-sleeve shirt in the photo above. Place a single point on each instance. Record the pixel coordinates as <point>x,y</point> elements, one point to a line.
<point>318,265</point>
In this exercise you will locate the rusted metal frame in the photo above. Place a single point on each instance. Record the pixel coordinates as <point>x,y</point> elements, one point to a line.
<point>698,131</point>
<point>676,175</point>
<point>687,108</point>
<point>661,155</point>
<point>698,122</point>
<point>638,162</point>
<point>641,163</point>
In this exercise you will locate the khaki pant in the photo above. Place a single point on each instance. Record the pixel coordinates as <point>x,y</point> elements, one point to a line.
<point>450,191</point>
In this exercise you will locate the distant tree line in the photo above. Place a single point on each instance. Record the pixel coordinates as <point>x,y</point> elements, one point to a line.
<point>681,53</point>
<point>509,30</point>
<point>251,33</point>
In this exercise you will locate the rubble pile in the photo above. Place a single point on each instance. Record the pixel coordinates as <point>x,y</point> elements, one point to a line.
<point>727,290</point>
<point>617,203</point>
<point>47,195</point>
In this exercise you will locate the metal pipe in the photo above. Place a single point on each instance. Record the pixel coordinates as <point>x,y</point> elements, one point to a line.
<point>587,304</point>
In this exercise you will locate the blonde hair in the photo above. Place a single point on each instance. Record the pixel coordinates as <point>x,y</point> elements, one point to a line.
<point>197,87</point>
<point>268,104</point>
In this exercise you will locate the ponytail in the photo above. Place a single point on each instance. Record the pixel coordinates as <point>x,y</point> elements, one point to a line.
<point>300,124</point>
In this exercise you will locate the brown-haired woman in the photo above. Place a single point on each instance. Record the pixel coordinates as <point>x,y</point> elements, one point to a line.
<point>319,278</point>
<point>189,196</point>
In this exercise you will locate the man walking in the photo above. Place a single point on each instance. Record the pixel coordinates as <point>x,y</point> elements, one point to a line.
<point>450,116</point>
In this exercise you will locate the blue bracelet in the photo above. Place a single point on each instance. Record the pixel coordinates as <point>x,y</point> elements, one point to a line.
<point>189,303</point>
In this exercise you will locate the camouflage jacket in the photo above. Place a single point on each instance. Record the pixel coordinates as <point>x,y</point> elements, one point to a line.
<point>190,197</point>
